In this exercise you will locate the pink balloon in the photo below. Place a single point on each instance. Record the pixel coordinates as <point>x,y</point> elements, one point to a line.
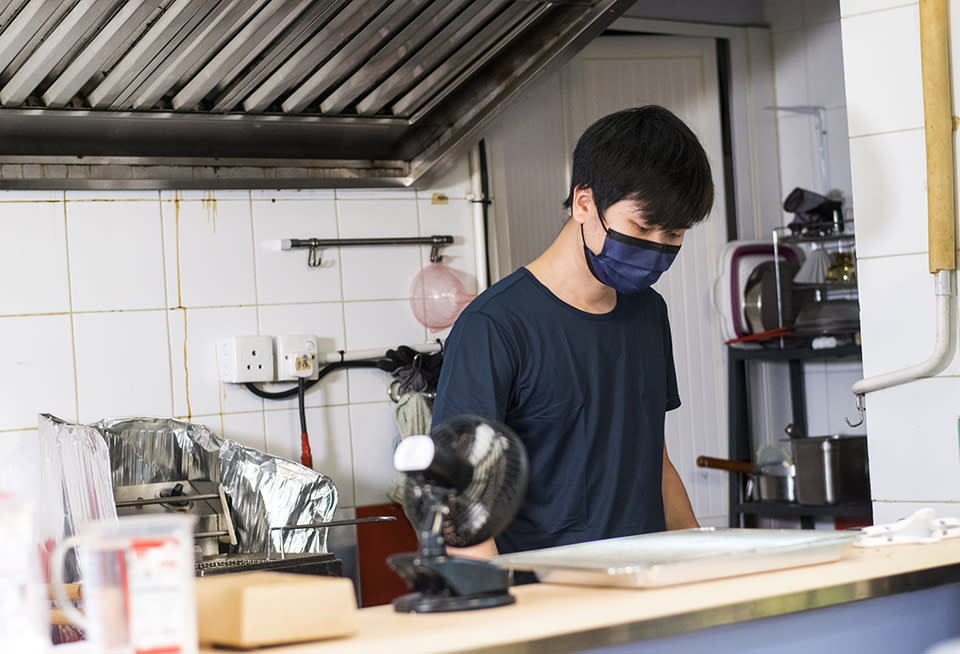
<point>437,297</point>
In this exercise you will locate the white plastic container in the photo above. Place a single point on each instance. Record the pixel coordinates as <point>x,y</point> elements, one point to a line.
<point>137,583</point>
<point>24,619</point>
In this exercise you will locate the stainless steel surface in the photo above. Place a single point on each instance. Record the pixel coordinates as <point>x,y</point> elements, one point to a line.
<point>204,500</point>
<point>831,469</point>
<point>678,557</point>
<point>112,79</point>
<point>618,636</point>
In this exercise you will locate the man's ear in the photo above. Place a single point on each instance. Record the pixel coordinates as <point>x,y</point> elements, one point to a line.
<point>582,206</point>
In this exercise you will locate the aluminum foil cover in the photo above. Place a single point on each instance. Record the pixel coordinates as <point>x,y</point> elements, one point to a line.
<point>264,491</point>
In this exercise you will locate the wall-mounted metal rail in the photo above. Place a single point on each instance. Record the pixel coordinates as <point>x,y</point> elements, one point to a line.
<point>315,245</point>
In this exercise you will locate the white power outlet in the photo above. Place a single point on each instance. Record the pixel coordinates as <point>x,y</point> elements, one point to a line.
<point>297,356</point>
<point>245,359</point>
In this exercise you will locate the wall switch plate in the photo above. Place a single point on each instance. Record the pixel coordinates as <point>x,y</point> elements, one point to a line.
<point>245,359</point>
<point>297,356</point>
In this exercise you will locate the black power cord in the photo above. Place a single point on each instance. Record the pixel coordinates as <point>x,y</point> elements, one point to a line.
<point>296,390</point>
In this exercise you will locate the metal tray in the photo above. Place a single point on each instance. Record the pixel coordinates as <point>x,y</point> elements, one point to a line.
<point>678,557</point>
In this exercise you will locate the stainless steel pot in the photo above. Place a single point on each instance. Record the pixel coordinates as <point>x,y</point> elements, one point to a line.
<point>771,482</point>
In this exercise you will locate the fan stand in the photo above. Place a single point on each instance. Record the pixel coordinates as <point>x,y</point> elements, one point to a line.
<point>446,583</point>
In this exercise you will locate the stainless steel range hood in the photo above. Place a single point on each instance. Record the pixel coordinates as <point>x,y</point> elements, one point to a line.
<point>265,93</point>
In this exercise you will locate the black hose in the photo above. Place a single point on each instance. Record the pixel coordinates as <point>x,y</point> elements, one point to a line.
<point>301,387</point>
<point>326,370</point>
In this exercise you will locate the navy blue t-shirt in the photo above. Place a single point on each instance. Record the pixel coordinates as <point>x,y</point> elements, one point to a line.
<point>587,393</point>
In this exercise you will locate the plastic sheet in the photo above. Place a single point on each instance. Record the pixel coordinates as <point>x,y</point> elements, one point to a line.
<point>265,491</point>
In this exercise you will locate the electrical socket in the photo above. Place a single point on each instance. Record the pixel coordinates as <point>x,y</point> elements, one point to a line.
<point>297,356</point>
<point>245,359</point>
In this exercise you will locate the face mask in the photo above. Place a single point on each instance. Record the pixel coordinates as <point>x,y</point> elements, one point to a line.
<point>628,264</point>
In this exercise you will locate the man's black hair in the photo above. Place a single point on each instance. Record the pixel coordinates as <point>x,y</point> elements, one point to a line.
<point>650,156</point>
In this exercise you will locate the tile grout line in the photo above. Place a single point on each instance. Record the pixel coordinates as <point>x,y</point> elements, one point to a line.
<point>901,130</point>
<point>343,320</point>
<point>73,329</point>
<point>168,312</point>
<point>879,10</point>
<point>204,307</point>
<point>256,299</point>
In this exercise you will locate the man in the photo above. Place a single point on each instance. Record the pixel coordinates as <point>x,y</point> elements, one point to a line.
<point>573,351</point>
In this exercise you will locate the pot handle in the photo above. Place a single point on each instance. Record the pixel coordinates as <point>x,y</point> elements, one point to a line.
<point>725,464</point>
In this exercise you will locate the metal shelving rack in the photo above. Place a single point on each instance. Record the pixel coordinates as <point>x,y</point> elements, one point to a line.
<point>740,438</point>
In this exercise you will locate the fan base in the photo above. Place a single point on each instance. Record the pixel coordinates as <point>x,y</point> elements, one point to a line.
<point>423,603</point>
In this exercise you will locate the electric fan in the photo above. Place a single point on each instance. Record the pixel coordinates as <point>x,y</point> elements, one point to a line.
<point>462,485</point>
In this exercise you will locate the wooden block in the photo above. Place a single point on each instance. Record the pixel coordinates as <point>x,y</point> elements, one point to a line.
<point>255,609</point>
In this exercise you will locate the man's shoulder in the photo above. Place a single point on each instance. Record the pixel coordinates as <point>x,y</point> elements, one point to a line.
<point>510,294</point>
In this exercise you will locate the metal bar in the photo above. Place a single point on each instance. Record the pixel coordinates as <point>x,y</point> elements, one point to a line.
<point>293,243</point>
<point>247,44</point>
<point>23,28</point>
<point>430,56</point>
<point>313,53</point>
<point>336,523</point>
<point>351,54</point>
<point>54,46</point>
<point>192,51</point>
<point>400,47</point>
<point>459,66</point>
<point>144,50</point>
<point>195,16</point>
<point>88,61</point>
<point>174,499</point>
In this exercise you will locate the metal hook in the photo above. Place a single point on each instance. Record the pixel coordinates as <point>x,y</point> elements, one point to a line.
<point>435,256</point>
<point>862,409</point>
<point>314,257</point>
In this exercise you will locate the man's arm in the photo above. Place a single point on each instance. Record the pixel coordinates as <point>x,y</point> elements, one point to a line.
<point>483,551</point>
<point>676,504</point>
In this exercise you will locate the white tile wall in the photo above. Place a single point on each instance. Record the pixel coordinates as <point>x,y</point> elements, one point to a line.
<point>37,356</point>
<point>34,248</point>
<point>116,256</point>
<point>121,346</point>
<point>890,223</point>
<point>896,311</point>
<point>123,364</point>
<point>913,442</point>
<point>374,432</point>
<point>912,428</point>
<point>883,89</point>
<point>852,7</point>
<point>209,252</point>
<point>284,276</point>
<point>330,443</point>
<point>370,324</point>
<point>194,333</point>
<point>20,466</point>
<point>245,428</point>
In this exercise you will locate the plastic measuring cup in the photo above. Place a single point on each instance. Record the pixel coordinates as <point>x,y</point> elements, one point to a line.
<point>24,619</point>
<point>137,584</point>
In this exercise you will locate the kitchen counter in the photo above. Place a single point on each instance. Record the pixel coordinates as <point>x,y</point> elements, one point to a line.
<point>554,618</point>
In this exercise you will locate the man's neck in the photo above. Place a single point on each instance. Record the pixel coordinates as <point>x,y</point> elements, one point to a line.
<point>563,269</point>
